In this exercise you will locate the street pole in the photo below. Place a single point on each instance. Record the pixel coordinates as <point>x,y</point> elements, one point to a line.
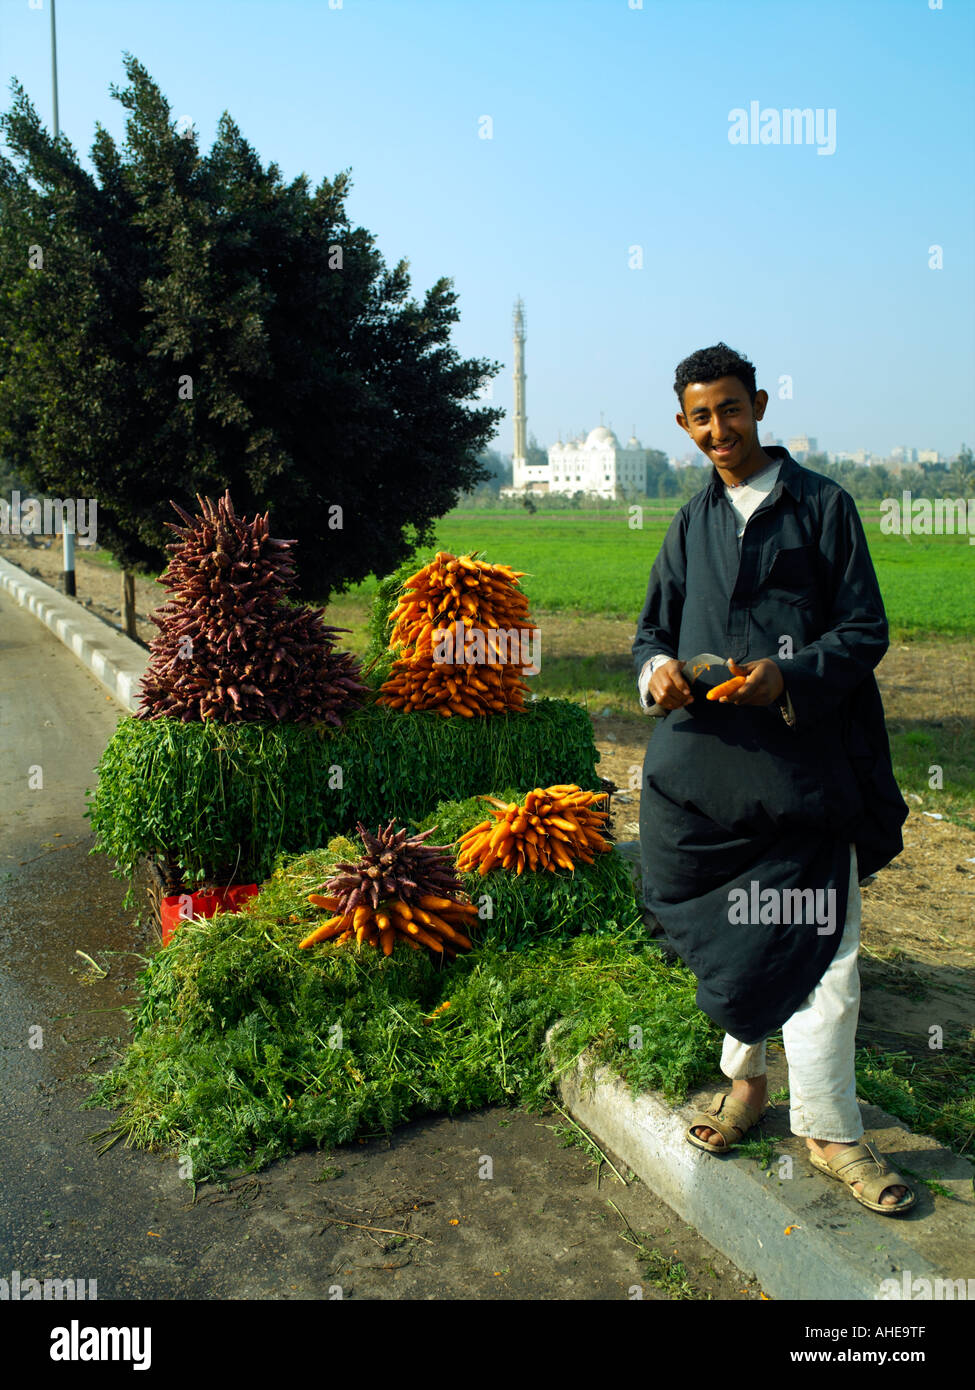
<point>68,532</point>
<point>54,68</point>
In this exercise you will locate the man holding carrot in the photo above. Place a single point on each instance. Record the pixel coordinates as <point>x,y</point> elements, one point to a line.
<point>762,807</point>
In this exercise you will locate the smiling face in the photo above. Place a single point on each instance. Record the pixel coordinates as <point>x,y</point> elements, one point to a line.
<point>723,423</point>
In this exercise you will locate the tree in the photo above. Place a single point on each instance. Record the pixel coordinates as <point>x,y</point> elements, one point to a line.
<point>536,456</point>
<point>658,467</point>
<point>192,323</point>
<point>963,472</point>
<point>498,469</point>
<point>691,479</point>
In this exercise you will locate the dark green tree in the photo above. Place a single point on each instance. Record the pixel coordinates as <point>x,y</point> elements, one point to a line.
<point>691,479</point>
<point>963,472</point>
<point>180,324</point>
<point>498,469</point>
<point>657,470</point>
<point>536,456</point>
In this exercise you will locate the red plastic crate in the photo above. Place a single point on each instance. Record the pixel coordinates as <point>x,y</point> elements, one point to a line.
<point>205,903</point>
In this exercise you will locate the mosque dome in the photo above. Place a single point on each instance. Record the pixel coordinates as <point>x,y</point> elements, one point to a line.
<point>601,435</point>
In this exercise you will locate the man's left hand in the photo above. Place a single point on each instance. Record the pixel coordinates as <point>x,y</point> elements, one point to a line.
<point>764,683</point>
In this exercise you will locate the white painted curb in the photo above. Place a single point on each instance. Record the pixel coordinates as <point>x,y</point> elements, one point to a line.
<point>112,658</point>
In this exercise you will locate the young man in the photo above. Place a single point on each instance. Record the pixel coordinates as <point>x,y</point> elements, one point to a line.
<point>761,812</point>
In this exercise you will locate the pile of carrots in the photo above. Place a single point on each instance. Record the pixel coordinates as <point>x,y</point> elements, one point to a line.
<point>457,594</point>
<point>454,587</point>
<point>556,826</point>
<point>432,921</point>
<point>419,682</point>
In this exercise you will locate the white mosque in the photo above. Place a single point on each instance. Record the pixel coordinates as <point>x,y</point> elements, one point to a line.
<point>598,464</point>
<point>595,463</point>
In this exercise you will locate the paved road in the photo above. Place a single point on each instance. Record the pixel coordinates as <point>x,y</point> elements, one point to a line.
<point>541,1229</point>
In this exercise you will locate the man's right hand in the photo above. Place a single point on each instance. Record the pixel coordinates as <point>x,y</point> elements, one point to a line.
<point>668,686</point>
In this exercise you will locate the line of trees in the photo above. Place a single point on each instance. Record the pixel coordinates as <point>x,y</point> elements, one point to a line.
<point>864,482</point>
<point>868,482</point>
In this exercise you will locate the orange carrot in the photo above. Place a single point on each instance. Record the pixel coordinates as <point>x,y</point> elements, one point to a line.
<point>424,937</point>
<point>726,688</point>
<point>328,929</point>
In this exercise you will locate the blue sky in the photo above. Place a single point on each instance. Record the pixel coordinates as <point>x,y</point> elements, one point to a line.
<point>610,131</point>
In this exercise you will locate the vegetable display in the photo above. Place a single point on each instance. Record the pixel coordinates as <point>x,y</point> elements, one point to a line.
<point>230,648</point>
<point>399,889</point>
<point>473,608</point>
<point>553,828</point>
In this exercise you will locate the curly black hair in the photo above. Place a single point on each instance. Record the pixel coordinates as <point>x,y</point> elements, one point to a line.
<point>711,364</point>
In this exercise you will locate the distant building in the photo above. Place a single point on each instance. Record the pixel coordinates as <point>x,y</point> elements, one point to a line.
<point>929,456</point>
<point>801,445</point>
<point>598,464</point>
<point>902,454</point>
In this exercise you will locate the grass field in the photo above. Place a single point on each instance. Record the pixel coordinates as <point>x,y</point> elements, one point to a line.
<point>594,564</point>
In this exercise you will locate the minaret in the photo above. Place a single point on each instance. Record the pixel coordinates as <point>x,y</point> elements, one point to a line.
<point>519,457</point>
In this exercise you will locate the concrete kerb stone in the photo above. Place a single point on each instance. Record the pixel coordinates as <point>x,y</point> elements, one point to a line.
<point>801,1234</point>
<point>114,660</point>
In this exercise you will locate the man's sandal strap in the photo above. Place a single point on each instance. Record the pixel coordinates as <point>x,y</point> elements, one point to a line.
<point>730,1118</point>
<point>864,1164</point>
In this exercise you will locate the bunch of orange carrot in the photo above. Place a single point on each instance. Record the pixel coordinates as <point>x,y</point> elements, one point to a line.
<point>418,682</point>
<point>554,827</point>
<point>432,921</point>
<point>455,588</point>
<point>458,595</point>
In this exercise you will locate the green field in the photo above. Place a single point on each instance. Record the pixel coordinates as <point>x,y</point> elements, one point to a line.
<point>593,563</point>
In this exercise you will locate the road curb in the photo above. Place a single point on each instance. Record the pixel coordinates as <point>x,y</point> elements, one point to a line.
<point>801,1234</point>
<point>114,660</point>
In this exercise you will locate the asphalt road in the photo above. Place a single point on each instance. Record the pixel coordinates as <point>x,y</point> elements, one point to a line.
<point>549,1225</point>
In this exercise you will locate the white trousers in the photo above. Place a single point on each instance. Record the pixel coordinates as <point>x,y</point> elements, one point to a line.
<point>820,1043</point>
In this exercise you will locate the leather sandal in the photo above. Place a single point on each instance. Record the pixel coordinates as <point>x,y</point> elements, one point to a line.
<point>863,1164</point>
<point>730,1118</point>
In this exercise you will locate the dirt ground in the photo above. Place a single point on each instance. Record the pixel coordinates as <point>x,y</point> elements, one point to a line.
<point>918,914</point>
